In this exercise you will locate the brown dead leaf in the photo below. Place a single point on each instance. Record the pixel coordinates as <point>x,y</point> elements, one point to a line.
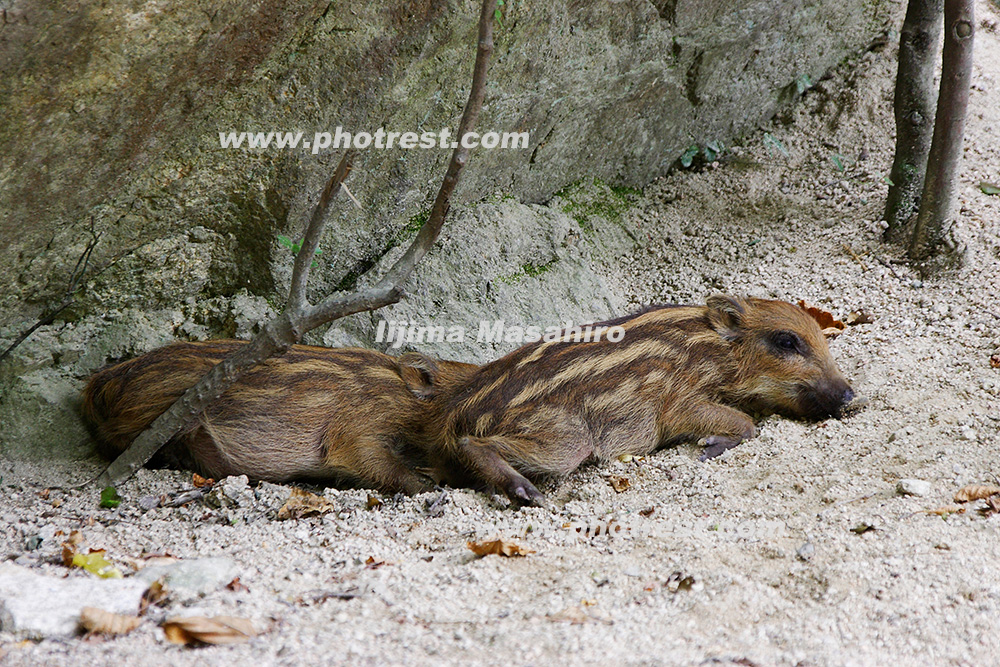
<point>202,629</point>
<point>156,559</point>
<point>648,511</point>
<point>106,623</point>
<point>71,546</point>
<point>578,616</point>
<point>830,325</point>
<point>373,503</point>
<point>678,582</point>
<point>237,586</point>
<point>975,492</point>
<point>500,547</point>
<point>619,483</point>
<point>303,503</point>
<point>992,506</point>
<point>573,615</point>
<point>856,317</point>
<point>200,482</point>
<point>373,563</point>
<point>995,361</point>
<point>946,510</point>
<point>154,595</point>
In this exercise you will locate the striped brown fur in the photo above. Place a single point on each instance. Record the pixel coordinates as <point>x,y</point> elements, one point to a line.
<point>340,415</point>
<point>680,373</point>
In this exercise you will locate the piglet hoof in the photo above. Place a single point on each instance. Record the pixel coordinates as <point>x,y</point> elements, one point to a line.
<point>716,444</point>
<point>524,492</point>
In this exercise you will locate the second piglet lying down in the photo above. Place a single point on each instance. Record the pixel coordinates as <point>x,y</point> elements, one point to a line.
<point>341,415</point>
<point>679,373</point>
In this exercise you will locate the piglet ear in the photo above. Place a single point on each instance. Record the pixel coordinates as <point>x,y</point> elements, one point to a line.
<point>725,314</point>
<point>418,373</point>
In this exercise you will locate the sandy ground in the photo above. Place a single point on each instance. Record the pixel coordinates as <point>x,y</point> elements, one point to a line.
<point>750,559</point>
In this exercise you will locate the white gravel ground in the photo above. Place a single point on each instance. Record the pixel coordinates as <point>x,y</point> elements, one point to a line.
<point>750,559</point>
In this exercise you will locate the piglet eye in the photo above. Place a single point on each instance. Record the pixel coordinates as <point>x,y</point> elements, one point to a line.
<point>786,341</point>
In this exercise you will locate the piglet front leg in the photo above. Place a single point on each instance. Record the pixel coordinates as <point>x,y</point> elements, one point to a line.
<point>716,426</point>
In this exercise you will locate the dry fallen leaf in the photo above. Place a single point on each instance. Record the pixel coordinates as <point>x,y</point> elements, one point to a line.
<point>574,615</point>
<point>827,322</point>
<point>107,623</point>
<point>373,563</point>
<point>237,586</point>
<point>373,503</point>
<point>992,506</point>
<point>155,559</point>
<point>679,582</point>
<point>619,483</point>
<point>857,317</point>
<point>303,503</point>
<point>578,616</point>
<point>500,547</point>
<point>70,547</point>
<point>95,562</point>
<point>214,630</point>
<point>946,510</point>
<point>975,492</point>
<point>154,595</point>
<point>200,482</point>
<point>648,511</point>
<point>995,361</point>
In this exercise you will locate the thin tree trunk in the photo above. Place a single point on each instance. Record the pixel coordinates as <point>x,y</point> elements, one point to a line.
<point>299,316</point>
<point>919,42</point>
<point>936,201</point>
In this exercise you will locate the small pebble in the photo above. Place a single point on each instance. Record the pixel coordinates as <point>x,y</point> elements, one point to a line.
<point>913,487</point>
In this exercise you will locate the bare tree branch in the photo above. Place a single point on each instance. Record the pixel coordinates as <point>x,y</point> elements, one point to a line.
<point>314,232</point>
<point>298,316</point>
<point>913,105</point>
<point>75,278</point>
<point>946,148</point>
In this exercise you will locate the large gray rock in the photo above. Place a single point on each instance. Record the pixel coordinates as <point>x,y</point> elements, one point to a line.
<point>109,141</point>
<point>188,580</point>
<point>507,262</point>
<point>111,118</point>
<point>37,606</point>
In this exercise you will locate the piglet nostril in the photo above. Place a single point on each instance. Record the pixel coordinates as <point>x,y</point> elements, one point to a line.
<point>847,396</point>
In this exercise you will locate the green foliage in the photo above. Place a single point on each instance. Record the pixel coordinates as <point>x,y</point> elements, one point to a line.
<point>838,161</point>
<point>688,156</point>
<point>710,152</point>
<point>497,14</point>
<point>412,226</point>
<point>713,150</point>
<point>295,246</point>
<point>802,83</point>
<point>529,271</point>
<point>988,188</point>
<point>95,562</point>
<point>584,199</point>
<point>772,144</point>
<point>110,498</point>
